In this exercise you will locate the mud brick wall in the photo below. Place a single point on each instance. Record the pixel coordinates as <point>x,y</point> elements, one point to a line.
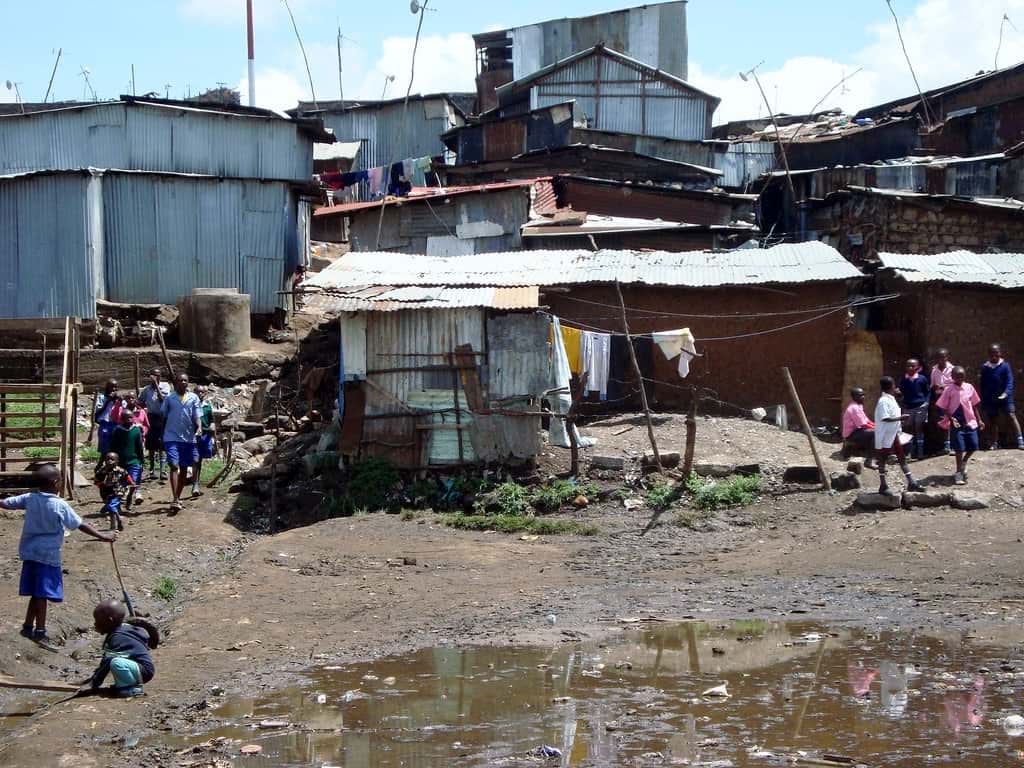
<point>745,372</point>
<point>965,320</point>
<point>860,226</point>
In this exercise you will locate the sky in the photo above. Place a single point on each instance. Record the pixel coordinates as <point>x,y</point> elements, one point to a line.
<point>804,48</point>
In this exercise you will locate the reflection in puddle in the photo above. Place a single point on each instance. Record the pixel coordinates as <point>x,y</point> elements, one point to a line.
<point>892,699</point>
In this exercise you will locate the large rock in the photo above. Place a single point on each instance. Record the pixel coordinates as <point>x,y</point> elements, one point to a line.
<point>264,473</point>
<point>969,500</point>
<point>873,502</point>
<point>801,474</point>
<point>250,428</point>
<point>607,462</point>
<point>258,445</point>
<point>669,459</point>
<point>714,467</point>
<point>913,499</point>
<point>748,470</point>
<point>844,481</point>
<point>856,466</point>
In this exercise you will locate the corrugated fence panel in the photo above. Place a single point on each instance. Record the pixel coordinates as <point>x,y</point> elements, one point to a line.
<point>402,339</point>
<point>518,355</point>
<point>48,247</point>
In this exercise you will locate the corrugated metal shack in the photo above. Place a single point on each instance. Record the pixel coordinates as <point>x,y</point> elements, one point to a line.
<point>752,311</point>
<point>438,375</point>
<point>617,93</point>
<point>150,200</point>
<point>655,33</point>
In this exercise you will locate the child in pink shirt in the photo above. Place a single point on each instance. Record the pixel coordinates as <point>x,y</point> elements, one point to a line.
<point>957,402</point>
<point>942,377</point>
<point>858,429</point>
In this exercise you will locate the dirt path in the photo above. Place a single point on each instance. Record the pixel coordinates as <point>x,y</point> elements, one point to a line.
<point>253,611</point>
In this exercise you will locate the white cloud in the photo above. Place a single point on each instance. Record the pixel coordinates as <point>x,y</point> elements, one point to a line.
<point>443,63</point>
<point>275,89</point>
<point>947,40</point>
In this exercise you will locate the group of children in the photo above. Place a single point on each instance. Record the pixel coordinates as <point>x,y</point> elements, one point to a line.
<point>127,641</point>
<point>959,408</point>
<point>176,425</point>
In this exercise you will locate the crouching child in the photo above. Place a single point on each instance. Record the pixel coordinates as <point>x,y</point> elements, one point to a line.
<point>126,649</point>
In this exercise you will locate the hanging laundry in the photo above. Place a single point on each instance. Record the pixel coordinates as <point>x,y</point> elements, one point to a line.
<point>678,343</point>
<point>424,164</point>
<point>595,352</point>
<point>619,369</point>
<point>643,347</point>
<point>561,400</point>
<point>336,180</point>
<point>571,341</point>
<point>408,169</point>
<point>375,179</point>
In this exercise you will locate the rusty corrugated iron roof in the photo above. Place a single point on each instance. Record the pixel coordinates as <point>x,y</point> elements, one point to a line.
<point>386,298</point>
<point>421,194</point>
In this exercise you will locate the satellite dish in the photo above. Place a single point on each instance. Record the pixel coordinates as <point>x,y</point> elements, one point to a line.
<point>414,6</point>
<point>9,85</point>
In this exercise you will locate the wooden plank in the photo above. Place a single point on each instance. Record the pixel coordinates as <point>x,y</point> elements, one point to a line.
<point>17,445</point>
<point>32,389</point>
<point>42,415</point>
<point>35,430</point>
<point>38,685</point>
<point>27,460</point>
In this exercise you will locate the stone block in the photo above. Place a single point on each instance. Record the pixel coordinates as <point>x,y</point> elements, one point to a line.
<point>607,462</point>
<point>258,445</point>
<point>801,474</point>
<point>913,499</point>
<point>714,468</point>
<point>856,466</point>
<point>250,428</point>
<point>669,459</point>
<point>875,502</point>
<point>844,481</point>
<point>970,500</point>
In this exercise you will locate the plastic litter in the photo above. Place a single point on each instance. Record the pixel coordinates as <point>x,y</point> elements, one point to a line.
<point>718,692</point>
<point>1013,725</point>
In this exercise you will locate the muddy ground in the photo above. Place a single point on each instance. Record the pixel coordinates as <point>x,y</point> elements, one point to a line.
<point>253,611</point>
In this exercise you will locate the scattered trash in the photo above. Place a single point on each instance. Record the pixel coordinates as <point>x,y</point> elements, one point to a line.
<point>271,724</point>
<point>1013,725</point>
<point>552,619</point>
<point>718,692</point>
<point>352,695</point>
<point>251,749</point>
<point>546,752</point>
<point>370,678</point>
<point>561,699</point>
<point>321,698</point>
<point>388,681</point>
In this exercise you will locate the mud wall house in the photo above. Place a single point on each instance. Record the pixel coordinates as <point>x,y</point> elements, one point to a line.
<point>438,375</point>
<point>739,305</point>
<point>861,222</point>
<point>653,33</point>
<point>141,201</point>
<point>959,300</point>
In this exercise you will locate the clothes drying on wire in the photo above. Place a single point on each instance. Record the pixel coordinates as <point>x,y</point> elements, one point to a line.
<point>679,343</point>
<point>595,354</point>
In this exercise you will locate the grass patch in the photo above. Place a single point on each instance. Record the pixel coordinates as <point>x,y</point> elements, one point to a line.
<point>410,514</point>
<point>518,524</point>
<point>211,468</point>
<point>42,452</point>
<point>660,496</point>
<point>509,500</point>
<point>694,519</point>
<point>551,496</point>
<point>721,494</point>
<point>15,405</point>
<point>166,588</point>
<point>88,453</point>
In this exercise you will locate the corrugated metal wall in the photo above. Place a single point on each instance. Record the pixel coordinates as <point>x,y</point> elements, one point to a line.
<point>166,235</point>
<point>155,138</point>
<point>51,246</point>
<point>390,135</point>
<point>518,356</point>
<point>745,162</point>
<point>654,34</point>
<point>626,101</point>
<point>408,335</point>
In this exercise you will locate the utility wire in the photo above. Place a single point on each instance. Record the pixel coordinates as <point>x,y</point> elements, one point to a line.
<point>741,315</point>
<point>899,33</point>
<point>302,48</point>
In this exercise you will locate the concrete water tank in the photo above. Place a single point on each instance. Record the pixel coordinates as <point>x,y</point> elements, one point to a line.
<point>215,320</point>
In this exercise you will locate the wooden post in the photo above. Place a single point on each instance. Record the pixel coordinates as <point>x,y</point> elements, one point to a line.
<point>163,349</point>
<point>43,334</point>
<point>807,427</point>
<point>138,376</point>
<point>570,425</point>
<point>4,436</point>
<point>455,403</point>
<point>691,435</point>
<point>640,379</point>
<point>73,447</point>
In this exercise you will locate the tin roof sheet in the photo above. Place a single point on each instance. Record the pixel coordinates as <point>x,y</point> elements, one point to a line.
<point>421,194</point>
<point>1002,270</point>
<point>787,263</point>
<point>391,299</point>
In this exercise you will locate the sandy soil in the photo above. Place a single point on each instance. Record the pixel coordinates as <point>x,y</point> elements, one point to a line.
<point>252,611</point>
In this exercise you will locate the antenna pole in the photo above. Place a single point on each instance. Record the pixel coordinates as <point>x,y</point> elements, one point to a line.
<point>252,55</point>
<point>302,48</point>
<point>133,79</point>
<point>341,88</point>
<point>52,74</point>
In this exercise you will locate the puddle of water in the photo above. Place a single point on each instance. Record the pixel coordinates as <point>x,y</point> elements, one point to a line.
<point>890,698</point>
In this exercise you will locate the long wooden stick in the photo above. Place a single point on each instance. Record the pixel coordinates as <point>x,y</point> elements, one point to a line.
<point>691,435</point>
<point>163,348</point>
<point>124,592</point>
<point>807,427</point>
<point>640,380</point>
<point>37,685</point>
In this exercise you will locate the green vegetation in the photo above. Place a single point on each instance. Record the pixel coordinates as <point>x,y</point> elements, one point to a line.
<point>551,496</point>
<point>371,486</point>
<point>721,494</point>
<point>166,588</point>
<point>15,405</point>
<point>660,496</point>
<point>510,499</point>
<point>88,453</point>
<point>694,519</point>
<point>42,452</point>
<point>504,523</point>
<point>211,468</point>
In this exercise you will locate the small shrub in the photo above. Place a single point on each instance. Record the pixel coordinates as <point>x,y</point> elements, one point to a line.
<point>371,486</point>
<point>517,524</point>
<point>660,496</point>
<point>734,492</point>
<point>509,498</point>
<point>409,514</point>
<point>551,496</point>
<point>88,453</point>
<point>211,468</point>
<point>41,452</point>
<point>694,519</point>
<point>166,588</point>
<point>423,493</point>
